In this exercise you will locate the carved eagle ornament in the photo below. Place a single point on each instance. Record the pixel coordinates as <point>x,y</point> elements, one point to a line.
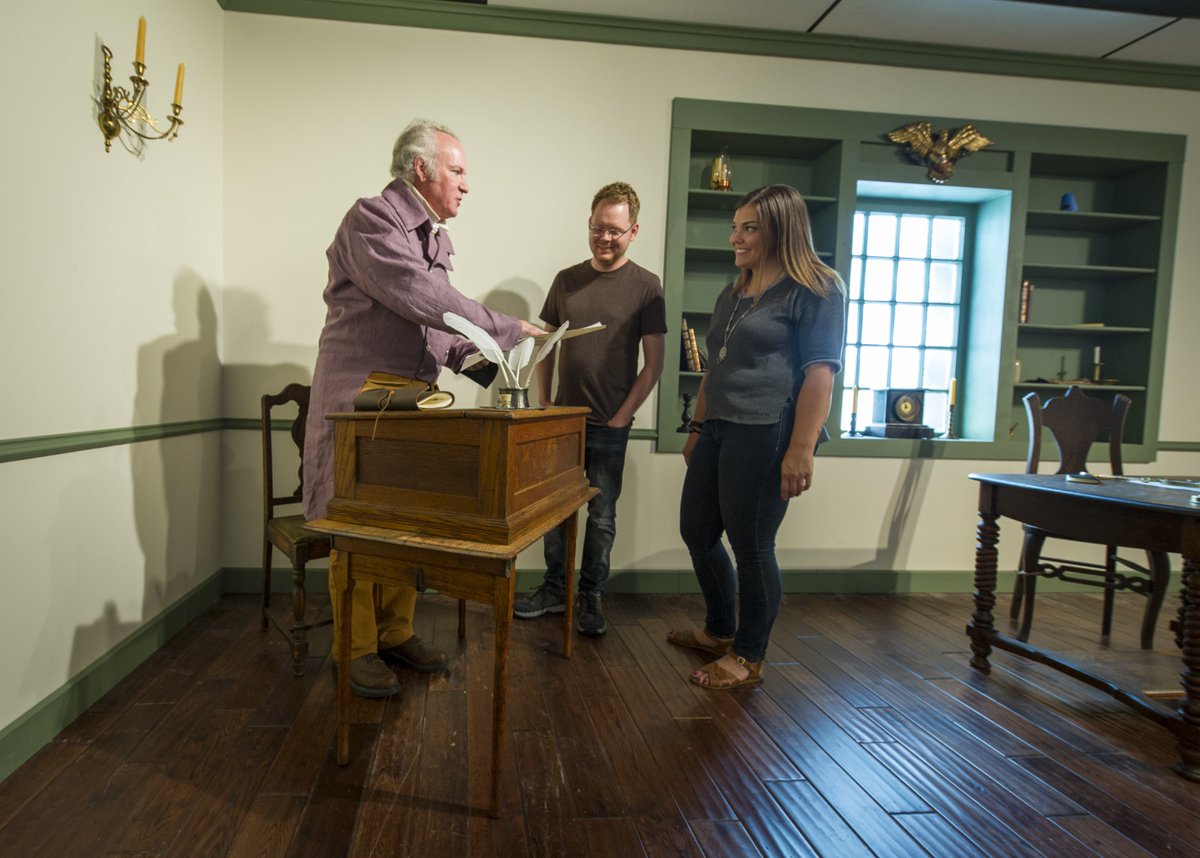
<point>938,150</point>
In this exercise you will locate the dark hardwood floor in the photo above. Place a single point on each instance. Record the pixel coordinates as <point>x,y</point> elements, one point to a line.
<point>871,735</point>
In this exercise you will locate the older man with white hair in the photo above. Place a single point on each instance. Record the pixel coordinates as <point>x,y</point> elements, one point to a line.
<point>389,287</point>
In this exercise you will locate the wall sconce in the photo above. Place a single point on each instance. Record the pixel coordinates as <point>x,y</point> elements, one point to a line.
<point>120,108</point>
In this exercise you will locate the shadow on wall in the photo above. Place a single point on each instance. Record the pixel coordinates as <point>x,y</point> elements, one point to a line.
<point>173,484</point>
<point>248,331</point>
<point>894,543</point>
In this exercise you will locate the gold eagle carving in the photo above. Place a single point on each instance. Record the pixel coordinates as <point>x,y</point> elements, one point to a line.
<point>938,150</point>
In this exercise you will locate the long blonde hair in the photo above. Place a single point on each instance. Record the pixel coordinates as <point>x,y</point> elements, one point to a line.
<point>787,231</point>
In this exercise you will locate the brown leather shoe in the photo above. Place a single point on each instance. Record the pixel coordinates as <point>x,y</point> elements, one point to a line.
<point>370,677</point>
<point>416,654</point>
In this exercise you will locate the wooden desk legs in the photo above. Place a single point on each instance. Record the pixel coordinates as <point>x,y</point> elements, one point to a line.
<point>502,610</point>
<point>503,587</point>
<point>339,562</point>
<point>982,626</point>
<point>572,528</point>
<point>1189,707</point>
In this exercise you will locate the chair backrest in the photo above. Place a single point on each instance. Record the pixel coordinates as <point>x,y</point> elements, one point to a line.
<point>297,394</point>
<point>1076,421</point>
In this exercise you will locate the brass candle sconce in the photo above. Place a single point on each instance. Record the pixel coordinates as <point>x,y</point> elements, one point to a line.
<point>122,109</point>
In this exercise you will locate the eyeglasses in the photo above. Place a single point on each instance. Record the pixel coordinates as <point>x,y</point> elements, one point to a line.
<point>610,234</point>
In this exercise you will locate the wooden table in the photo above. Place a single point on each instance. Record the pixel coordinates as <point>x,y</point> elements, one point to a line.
<point>448,499</point>
<point>478,571</point>
<point>1126,513</point>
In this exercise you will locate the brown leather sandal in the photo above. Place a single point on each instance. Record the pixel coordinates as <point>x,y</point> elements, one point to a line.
<point>691,640</point>
<point>716,678</point>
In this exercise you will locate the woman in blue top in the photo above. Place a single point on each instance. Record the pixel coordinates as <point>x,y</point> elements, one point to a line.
<point>774,344</point>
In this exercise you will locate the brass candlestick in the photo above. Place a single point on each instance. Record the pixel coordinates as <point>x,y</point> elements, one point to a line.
<point>121,108</point>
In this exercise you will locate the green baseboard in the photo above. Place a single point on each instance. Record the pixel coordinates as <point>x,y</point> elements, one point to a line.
<point>245,580</point>
<point>24,737</point>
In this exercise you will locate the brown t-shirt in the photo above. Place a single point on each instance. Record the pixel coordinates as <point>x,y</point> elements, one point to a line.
<point>597,370</point>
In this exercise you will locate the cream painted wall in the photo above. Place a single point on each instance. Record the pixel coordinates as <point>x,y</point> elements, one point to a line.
<point>113,266</point>
<point>310,126</point>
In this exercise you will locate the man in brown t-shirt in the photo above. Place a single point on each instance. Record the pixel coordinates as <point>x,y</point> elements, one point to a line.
<point>600,371</point>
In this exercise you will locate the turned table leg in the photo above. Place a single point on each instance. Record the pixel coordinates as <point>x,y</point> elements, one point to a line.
<point>1188,635</point>
<point>982,626</point>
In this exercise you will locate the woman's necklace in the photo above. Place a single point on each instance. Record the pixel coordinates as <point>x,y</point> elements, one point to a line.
<point>731,326</point>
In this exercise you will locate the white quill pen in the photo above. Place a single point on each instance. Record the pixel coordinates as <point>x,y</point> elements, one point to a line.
<point>487,346</point>
<point>518,357</point>
<point>545,349</point>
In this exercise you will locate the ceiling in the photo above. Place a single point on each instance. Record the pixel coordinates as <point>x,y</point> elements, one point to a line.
<point>1143,31</point>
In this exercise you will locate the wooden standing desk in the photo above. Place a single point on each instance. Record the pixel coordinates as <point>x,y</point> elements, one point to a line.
<point>448,499</point>
<point>1125,513</point>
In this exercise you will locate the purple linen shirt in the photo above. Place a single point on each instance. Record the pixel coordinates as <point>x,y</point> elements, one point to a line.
<point>388,288</point>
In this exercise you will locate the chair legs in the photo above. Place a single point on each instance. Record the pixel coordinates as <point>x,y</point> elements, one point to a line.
<point>1026,587</point>
<point>1160,579</point>
<point>1110,578</point>
<point>296,631</point>
<point>265,599</point>
<point>1154,589</point>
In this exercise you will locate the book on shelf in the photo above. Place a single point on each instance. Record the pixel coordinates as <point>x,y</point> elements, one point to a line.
<point>694,351</point>
<point>1026,297</point>
<point>689,359</point>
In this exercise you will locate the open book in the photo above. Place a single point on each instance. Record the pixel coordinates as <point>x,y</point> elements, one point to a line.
<point>573,332</point>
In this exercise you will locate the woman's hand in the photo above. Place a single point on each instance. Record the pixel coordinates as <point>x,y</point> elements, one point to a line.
<point>796,473</point>
<point>689,445</point>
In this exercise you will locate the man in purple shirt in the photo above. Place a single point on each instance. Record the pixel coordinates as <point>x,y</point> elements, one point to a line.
<point>388,288</point>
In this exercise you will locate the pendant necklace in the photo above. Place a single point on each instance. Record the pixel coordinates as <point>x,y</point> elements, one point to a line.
<point>731,326</point>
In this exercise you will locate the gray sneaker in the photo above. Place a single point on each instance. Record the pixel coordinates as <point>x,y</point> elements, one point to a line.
<point>589,619</point>
<point>543,600</point>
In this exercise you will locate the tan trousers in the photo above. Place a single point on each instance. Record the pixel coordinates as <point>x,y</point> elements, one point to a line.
<point>382,616</point>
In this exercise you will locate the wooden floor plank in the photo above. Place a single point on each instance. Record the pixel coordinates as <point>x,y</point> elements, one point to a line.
<point>937,836</point>
<point>871,734</point>
<point>957,774</point>
<point>820,824</point>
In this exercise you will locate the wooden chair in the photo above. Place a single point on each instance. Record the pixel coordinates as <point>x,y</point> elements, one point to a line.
<point>286,532</point>
<point>1076,421</point>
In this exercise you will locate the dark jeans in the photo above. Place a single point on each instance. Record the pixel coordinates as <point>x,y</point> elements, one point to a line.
<point>604,464</point>
<point>732,487</point>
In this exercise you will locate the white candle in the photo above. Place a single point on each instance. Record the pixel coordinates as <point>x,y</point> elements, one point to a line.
<point>854,400</point>
<point>1096,355</point>
<point>140,52</point>
<point>953,389</point>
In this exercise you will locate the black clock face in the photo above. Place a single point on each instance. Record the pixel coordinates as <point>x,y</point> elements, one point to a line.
<point>906,408</point>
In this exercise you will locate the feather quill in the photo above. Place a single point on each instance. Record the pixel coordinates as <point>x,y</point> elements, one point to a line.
<point>519,356</point>
<point>551,341</point>
<point>487,346</point>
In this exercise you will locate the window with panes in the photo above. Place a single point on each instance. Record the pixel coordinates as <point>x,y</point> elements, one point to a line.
<point>906,301</point>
